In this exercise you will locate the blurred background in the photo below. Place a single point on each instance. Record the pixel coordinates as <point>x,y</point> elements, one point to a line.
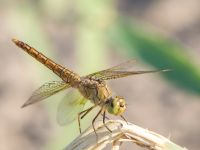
<point>87,36</point>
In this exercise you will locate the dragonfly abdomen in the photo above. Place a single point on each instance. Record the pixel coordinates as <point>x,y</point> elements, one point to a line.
<point>64,73</point>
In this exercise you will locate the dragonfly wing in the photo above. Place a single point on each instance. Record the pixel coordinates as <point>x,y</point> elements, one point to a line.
<point>46,90</point>
<point>68,109</point>
<point>119,74</point>
<point>120,71</point>
<point>123,66</point>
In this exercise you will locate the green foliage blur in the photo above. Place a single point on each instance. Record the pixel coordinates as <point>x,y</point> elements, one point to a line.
<point>159,52</point>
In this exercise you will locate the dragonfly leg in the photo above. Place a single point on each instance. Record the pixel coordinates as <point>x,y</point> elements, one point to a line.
<point>87,111</point>
<point>124,118</point>
<point>84,113</point>
<point>93,123</point>
<point>104,117</point>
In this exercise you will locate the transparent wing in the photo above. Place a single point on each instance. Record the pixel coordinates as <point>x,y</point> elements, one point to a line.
<point>72,103</point>
<point>119,71</point>
<point>46,90</point>
<point>123,66</point>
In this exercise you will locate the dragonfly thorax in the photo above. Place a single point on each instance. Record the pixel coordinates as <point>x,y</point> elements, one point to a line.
<point>96,91</point>
<point>116,105</point>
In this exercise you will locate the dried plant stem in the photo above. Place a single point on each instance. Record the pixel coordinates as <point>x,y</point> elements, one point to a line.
<point>122,132</point>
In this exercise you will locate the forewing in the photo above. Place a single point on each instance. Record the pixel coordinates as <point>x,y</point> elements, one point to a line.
<point>68,109</point>
<point>46,90</point>
<point>121,67</point>
<point>119,74</point>
<point>120,71</point>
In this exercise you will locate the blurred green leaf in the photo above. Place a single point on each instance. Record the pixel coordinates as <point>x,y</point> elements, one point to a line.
<point>159,52</point>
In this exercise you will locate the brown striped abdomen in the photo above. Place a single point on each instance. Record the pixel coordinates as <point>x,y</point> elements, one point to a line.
<point>64,73</point>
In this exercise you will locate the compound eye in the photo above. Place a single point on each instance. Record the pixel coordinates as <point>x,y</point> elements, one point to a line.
<point>121,105</point>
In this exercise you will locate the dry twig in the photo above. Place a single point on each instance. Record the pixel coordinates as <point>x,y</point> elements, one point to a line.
<point>122,132</point>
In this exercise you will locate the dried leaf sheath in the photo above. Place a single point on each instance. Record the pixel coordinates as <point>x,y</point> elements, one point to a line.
<point>64,73</point>
<point>122,132</point>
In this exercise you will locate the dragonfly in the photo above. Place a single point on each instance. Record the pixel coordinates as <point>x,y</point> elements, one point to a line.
<point>92,87</point>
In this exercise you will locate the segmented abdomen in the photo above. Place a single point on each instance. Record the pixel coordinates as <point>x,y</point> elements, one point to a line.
<point>64,73</point>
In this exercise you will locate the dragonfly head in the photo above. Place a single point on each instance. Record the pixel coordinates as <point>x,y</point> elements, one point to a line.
<point>116,105</point>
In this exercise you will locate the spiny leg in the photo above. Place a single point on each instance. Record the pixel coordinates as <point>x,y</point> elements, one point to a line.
<point>124,118</point>
<point>88,110</point>
<point>104,116</point>
<point>79,115</point>
<point>93,123</point>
